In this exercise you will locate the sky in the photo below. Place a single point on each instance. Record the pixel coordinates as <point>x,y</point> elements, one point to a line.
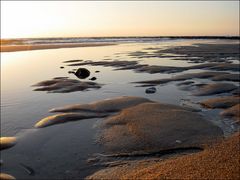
<point>26,19</point>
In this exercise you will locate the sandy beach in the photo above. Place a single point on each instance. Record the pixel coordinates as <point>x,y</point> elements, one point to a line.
<point>159,109</point>
<point>220,161</point>
<point>125,90</point>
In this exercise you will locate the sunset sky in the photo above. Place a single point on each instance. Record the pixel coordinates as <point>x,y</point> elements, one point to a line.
<point>128,18</point>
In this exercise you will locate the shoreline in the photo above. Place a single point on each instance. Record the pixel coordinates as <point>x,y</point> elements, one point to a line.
<point>22,44</point>
<point>218,161</point>
<point>14,48</point>
<point>114,136</point>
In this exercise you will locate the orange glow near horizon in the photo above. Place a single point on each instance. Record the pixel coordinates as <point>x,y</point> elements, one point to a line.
<point>21,19</point>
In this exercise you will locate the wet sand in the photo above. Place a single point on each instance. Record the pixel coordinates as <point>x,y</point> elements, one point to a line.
<point>12,48</point>
<point>136,133</point>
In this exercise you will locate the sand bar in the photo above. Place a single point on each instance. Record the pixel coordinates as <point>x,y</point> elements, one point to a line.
<point>12,48</point>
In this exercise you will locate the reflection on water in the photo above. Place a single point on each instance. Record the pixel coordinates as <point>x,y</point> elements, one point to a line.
<point>62,145</point>
<point>20,70</point>
<point>22,107</point>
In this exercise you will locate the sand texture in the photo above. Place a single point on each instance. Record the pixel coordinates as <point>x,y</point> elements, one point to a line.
<point>151,127</point>
<point>221,102</point>
<point>65,85</point>
<point>218,162</point>
<point>4,176</point>
<point>233,111</point>
<point>7,142</point>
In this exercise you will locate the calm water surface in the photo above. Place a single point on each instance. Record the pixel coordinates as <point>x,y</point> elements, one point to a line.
<point>61,151</point>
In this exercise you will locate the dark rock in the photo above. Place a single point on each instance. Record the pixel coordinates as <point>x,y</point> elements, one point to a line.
<point>97,71</point>
<point>93,78</point>
<point>82,73</point>
<point>61,67</point>
<point>150,90</point>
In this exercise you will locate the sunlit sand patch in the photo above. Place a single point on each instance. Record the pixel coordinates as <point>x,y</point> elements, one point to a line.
<point>138,125</point>
<point>7,142</point>
<point>216,88</point>
<point>4,176</point>
<point>155,126</point>
<point>65,85</point>
<point>204,89</point>
<point>106,105</point>
<point>97,109</point>
<point>221,102</point>
<point>220,161</point>
<point>66,117</point>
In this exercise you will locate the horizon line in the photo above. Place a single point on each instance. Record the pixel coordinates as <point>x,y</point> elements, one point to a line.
<point>157,36</point>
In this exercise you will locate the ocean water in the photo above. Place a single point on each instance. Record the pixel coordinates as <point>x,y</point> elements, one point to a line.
<point>61,151</point>
<point>131,39</point>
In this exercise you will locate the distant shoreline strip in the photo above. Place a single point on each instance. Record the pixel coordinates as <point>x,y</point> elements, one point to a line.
<point>132,37</point>
<point>13,48</point>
